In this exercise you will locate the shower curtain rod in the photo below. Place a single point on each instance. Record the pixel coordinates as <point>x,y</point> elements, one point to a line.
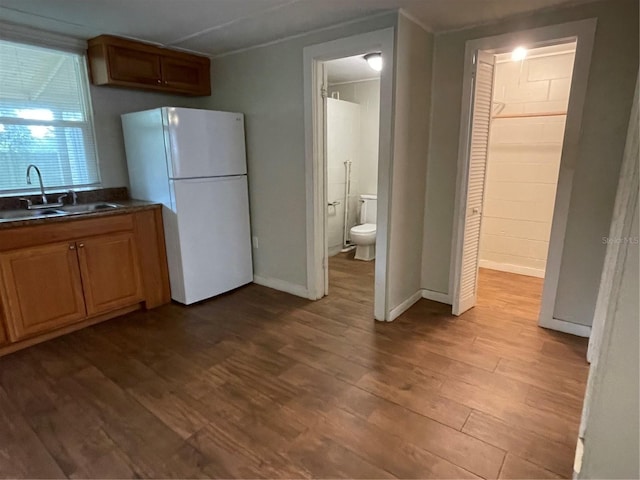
<point>530,115</point>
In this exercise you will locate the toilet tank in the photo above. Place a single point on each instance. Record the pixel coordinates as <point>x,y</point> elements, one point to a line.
<point>368,208</point>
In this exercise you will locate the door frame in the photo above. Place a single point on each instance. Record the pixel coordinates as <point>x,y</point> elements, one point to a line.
<point>623,211</point>
<point>583,32</point>
<point>314,57</point>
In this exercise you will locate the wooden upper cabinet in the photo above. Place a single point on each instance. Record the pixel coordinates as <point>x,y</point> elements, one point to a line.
<point>121,62</point>
<point>132,66</point>
<point>110,272</point>
<point>42,289</point>
<point>186,75</point>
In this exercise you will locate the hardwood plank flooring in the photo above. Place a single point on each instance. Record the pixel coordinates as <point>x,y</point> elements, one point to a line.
<point>258,383</point>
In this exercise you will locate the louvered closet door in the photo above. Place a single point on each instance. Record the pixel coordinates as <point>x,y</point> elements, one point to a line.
<point>478,145</point>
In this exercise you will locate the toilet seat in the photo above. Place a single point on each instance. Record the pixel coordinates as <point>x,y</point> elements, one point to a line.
<point>364,228</point>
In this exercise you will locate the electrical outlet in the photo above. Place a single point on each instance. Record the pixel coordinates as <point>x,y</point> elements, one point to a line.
<point>254,241</point>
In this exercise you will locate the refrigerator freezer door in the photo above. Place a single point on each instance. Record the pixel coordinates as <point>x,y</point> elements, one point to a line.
<point>204,143</point>
<point>209,245</point>
<point>146,156</point>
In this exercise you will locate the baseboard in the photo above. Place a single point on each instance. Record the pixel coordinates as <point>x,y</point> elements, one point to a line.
<point>510,268</point>
<point>276,284</point>
<point>567,327</point>
<point>437,296</point>
<point>404,306</point>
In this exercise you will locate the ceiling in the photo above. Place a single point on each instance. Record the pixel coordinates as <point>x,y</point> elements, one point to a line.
<point>215,27</point>
<point>349,69</point>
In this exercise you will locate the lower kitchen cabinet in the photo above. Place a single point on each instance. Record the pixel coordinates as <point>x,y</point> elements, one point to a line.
<point>110,272</point>
<point>59,277</point>
<point>42,289</point>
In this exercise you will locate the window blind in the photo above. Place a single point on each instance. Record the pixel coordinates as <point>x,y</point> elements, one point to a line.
<point>45,119</point>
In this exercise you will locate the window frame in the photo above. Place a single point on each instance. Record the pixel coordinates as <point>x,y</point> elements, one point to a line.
<point>87,126</point>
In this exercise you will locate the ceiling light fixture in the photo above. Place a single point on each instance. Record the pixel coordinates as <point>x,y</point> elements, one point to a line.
<point>374,60</point>
<point>519,53</point>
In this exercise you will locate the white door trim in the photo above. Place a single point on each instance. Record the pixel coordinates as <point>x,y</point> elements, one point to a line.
<point>583,31</point>
<point>315,162</point>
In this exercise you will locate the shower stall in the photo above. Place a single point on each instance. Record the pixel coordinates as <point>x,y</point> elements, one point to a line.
<point>343,150</point>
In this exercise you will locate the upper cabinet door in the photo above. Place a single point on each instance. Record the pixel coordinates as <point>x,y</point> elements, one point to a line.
<point>204,143</point>
<point>134,66</point>
<point>186,74</point>
<point>42,289</point>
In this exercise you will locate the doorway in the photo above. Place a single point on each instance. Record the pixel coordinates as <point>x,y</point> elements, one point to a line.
<point>316,87</point>
<point>352,131</point>
<point>530,96</point>
<point>520,124</point>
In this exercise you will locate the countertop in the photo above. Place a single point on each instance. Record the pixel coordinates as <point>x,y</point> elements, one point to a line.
<point>127,206</point>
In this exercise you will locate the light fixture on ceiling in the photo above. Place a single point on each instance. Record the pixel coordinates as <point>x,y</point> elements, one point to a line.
<point>374,60</point>
<point>519,53</point>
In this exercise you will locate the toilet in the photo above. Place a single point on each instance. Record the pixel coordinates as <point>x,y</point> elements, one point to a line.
<point>363,236</point>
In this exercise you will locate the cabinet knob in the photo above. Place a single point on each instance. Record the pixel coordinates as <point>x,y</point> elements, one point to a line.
<point>72,247</point>
<point>81,245</point>
<point>159,81</point>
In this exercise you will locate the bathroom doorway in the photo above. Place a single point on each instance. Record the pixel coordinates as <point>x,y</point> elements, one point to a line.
<point>318,101</point>
<point>352,123</point>
<point>517,144</point>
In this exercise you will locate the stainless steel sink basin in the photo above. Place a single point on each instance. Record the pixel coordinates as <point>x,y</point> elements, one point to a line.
<point>28,214</point>
<point>13,215</point>
<point>90,207</point>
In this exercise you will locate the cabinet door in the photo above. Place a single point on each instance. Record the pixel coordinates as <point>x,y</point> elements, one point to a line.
<point>42,289</point>
<point>186,75</point>
<point>134,66</point>
<point>110,272</point>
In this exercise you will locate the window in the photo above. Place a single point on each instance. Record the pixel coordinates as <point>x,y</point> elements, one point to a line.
<point>45,119</point>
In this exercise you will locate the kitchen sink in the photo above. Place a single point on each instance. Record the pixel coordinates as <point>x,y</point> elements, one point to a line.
<point>90,207</point>
<point>27,214</point>
<point>13,215</point>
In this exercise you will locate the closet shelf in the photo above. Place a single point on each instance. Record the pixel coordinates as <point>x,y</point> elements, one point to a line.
<point>531,115</point>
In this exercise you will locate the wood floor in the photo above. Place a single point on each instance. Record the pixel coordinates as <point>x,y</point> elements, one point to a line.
<point>259,383</point>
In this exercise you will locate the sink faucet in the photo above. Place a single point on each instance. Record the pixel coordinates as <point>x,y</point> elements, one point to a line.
<point>44,197</point>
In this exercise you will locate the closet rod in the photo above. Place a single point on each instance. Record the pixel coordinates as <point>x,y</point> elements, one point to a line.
<point>531,115</point>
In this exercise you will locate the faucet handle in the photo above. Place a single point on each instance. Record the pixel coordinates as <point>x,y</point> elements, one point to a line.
<point>74,196</point>
<point>27,201</point>
<point>62,197</point>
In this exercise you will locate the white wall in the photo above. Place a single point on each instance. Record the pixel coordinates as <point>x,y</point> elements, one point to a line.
<point>606,112</point>
<point>367,95</point>
<point>343,144</point>
<point>523,162</point>
<point>266,84</point>
<point>414,48</point>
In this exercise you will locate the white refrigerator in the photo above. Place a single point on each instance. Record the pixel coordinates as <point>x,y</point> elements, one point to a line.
<point>194,163</point>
